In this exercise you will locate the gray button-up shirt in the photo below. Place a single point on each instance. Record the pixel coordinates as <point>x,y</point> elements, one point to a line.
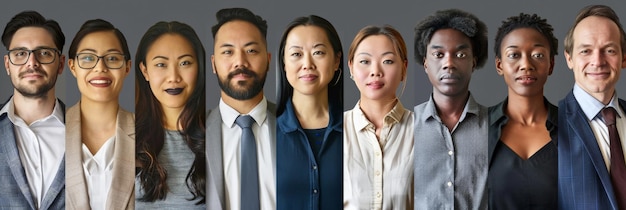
<point>451,166</point>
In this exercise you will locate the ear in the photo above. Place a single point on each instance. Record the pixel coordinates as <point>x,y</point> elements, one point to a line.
<point>269,59</point>
<point>213,63</point>
<point>551,65</point>
<point>6,64</point>
<point>128,65</point>
<point>144,71</point>
<point>425,65</point>
<point>474,64</point>
<point>498,62</point>
<point>350,67</point>
<point>72,66</point>
<point>568,59</point>
<point>61,64</point>
<point>623,60</point>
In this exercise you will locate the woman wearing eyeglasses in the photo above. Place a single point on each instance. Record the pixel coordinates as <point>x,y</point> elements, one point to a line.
<point>100,135</point>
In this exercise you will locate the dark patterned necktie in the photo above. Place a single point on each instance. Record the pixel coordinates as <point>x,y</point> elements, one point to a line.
<point>618,167</point>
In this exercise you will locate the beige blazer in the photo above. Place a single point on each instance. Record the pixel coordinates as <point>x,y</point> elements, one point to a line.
<point>122,192</point>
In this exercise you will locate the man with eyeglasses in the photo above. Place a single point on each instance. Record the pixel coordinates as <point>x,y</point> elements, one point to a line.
<point>32,121</point>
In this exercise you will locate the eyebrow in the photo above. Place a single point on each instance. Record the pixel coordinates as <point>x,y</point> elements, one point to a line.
<point>166,58</point>
<point>245,45</point>
<point>94,51</point>
<point>458,47</point>
<point>36,48</point>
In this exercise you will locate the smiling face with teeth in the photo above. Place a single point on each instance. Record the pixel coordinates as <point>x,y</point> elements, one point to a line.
<point>525,62</point>
<point>99,84</point>
<point>171,68</point>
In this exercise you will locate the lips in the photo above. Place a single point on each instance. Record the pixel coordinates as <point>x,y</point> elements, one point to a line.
<point>308,77</point>
<point>100,82</point>
<point>174,91</point>
<point>449,78</point>
<point>375,85</point>
<point>526,79</point>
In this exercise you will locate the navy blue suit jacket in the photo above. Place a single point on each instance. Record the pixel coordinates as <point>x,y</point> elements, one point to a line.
<point>584,181</point>
<point>14,190</point>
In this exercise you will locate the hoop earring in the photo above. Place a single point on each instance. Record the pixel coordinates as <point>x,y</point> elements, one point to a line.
<point>339,77</point>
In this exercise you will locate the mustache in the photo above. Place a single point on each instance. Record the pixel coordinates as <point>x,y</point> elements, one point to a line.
<point>244,71</point>
<point>31,70</point>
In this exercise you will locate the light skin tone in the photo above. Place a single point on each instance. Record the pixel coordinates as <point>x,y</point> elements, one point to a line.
<point>525,65</point>
<point>33,74</point>
<point>100,88</point>
<point>171,68</point>
<point>596,58</point>
<point>377,69</point>
<point>310,64</point>
<point>449,64</point>
<point>240,44</point>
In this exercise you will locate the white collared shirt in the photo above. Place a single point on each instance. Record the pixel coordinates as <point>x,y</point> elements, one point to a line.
<point>41,146</point>
<point>231,135</point>
<point>592,109</point>
<point>378,173</point>
<point>98,171</point>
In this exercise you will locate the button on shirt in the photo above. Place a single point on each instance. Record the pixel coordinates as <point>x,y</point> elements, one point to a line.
<point>592,108</point>
<point>378,173</point>
<point>98,169</point>
<point>451,166</point>
<point>266,155</point>
<point>41,146</point>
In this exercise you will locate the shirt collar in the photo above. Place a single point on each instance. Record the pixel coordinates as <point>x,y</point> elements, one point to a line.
<point>590,105</point>
<point>394,116</point>
<point>470,107</point>
<point>229,115</point>
<point>497,113</point>
<point>9,109</point>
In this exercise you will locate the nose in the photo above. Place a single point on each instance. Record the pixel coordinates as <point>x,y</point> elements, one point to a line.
<point>100,66</point>
<point>32,60</point>
<point>308,62</point>
<point>526,64</point>
<point>174,75</point>
<point>376,71</point>
<point>447,61</point>
<point>240,60</point>
<point>597,59</point>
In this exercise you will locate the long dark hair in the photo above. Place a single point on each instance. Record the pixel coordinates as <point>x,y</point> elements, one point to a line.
<point>150,133</point>
<point>335,87</point>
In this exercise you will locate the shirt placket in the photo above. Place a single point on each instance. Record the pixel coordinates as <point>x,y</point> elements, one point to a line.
<point>377,202</point>
<point>451,164</point>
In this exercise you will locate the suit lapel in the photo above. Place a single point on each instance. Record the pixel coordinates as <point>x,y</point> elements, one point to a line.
<point>13,159</point>
<point>56,188</point>
<point>578,123</point>
<point>122,191</point>
<point>76,185</point>
<point>215,185</point>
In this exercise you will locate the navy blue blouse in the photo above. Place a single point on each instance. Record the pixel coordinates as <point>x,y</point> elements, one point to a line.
<point>306,179</point>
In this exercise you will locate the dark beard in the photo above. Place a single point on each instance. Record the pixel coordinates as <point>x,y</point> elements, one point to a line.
<point>250,90</point>
<point>40,91</point>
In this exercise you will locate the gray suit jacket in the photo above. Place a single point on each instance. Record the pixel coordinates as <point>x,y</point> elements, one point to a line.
<point>122,192</point>
<point>215,173</point>
<point>14,190</point>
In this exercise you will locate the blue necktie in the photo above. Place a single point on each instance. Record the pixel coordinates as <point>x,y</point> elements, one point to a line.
<point>249,167</point>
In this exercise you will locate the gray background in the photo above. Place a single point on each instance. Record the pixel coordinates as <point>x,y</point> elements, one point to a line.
<point>134,17</point>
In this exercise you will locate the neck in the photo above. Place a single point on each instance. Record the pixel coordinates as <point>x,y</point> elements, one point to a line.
<point>98,113</point>
<point>170,118</point>
<point>242,106</point>
<point>311,110</point>
<point>526,110</point>
<point>375,110</point>
<point>450,105</point>
<point>33,109</point>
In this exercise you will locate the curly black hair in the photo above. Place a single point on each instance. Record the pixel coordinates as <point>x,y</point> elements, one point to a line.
<point>459,20</point>
<point>526,21</point>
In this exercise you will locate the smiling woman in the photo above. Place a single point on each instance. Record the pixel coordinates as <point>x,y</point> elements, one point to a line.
<point>99,134</point>
<point>170,98</point>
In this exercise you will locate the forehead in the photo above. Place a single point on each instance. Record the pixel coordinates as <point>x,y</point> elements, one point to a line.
<point>307,33</point>
<point>32,37</point>
<point>238,31</point>
<point>100,39</point>
<point>170,44</point>
<point>449,37</point>
<point>595,27</point>
<point>524,36</point>
<point>377,42</point>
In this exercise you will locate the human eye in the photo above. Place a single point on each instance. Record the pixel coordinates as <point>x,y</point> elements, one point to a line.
<point>364,62</point>
<point>160,65</point>
<point>584,51</point>
<point>388,62</point>
<point>252,51</point>
<point>611,51</point>
<point>185,63</point>
<point>437,54</point>
<point>319,52</point>
<point>86,57</point>
<point>296,54</point>
<point>227,52</point>
<point>44,52</point>
<point>114,58</point>
<point>461,55</point>
<point>19,53</point>
<point>513,55</point>
<point>538,55</point>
